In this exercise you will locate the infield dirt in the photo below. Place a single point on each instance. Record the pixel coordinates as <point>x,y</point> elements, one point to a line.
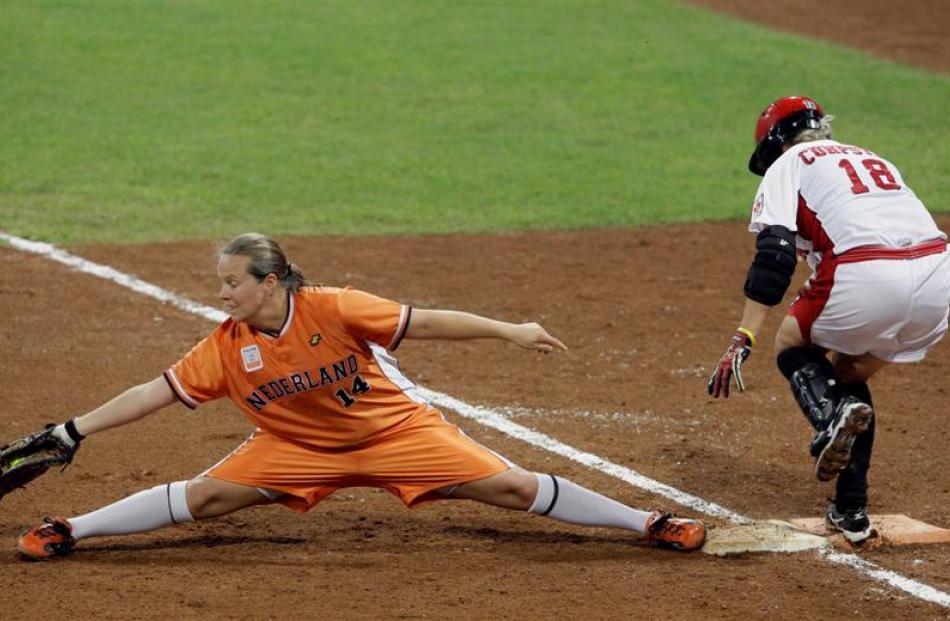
<point>645,312</point>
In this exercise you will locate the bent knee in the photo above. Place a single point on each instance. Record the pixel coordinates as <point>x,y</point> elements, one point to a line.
<point>856,368</point>
<point>208,497</point>
<point>788,335</point>
<point>523,485</point>
<point>201,492</point>
<point>847,371</point>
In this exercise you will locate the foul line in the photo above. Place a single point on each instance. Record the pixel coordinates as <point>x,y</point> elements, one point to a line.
<point>496,420</point>
<point>104,271</point>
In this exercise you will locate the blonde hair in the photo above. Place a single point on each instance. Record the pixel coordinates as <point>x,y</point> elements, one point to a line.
<point>267,257</point>
<point>822,133</point>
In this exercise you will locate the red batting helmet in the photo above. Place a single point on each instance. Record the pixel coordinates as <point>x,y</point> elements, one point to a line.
<point>779,123</point>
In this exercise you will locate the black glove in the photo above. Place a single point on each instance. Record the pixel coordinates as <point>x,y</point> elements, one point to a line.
<point>731,364</point>
<point>23,460</point>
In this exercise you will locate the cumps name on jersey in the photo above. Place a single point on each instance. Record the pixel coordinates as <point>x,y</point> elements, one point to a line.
<point>304,381</point>
<point>810,154</point>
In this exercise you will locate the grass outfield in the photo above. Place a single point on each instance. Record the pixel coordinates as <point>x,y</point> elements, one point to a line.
<point>148,121</point>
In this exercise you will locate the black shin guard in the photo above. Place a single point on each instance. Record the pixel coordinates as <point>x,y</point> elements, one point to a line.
<point>852,487</point>
<point>813,383</point>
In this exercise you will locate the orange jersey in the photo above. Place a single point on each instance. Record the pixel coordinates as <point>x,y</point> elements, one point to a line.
<point>326,380</point>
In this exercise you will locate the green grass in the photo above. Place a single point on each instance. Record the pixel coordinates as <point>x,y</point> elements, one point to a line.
<point>153,121</point>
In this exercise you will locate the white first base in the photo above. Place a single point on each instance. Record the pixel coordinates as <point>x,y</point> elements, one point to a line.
<point>801,534</point>
<point>768,536</point>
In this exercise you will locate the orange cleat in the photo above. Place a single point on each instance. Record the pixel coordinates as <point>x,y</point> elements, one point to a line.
<point>678,533</point>
<point>51,538</point>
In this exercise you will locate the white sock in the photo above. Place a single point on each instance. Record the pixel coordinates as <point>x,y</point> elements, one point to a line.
<point>147,510</point>
<point>568,502</point>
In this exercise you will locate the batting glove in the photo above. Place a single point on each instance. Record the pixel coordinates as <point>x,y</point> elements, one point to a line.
<point>730,365</point>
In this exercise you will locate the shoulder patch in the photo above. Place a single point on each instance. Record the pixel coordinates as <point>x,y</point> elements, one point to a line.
<point>758,204</point>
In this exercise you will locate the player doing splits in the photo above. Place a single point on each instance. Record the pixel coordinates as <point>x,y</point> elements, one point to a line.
<point>879,292</point>
<point>312,370</point>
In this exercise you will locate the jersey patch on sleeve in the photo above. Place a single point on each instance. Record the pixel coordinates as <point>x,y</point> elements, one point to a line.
<point>758,205</point>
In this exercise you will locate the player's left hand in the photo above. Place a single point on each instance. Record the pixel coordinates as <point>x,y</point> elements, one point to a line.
<point>533,336</point>
<point>25,459</point>
<point>731,365</point>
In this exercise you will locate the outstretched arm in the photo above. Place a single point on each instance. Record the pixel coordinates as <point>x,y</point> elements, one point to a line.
<point>133,404</point>
<point>23,460</point>
<point>454,325</point>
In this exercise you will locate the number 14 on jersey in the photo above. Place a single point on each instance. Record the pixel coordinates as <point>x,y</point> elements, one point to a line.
<point>359,387</point>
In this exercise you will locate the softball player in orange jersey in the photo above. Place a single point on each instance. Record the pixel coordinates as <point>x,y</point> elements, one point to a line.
<point>311,367</point>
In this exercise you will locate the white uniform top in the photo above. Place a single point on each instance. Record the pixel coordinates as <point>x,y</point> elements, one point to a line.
<point>837,197</point>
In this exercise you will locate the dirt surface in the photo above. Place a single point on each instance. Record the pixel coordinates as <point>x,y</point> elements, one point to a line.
<point>645,315</point>
<point>645,321</point>
<point>913,32</point>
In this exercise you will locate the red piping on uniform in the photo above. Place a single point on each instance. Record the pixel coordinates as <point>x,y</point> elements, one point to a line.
<point>810,227</point>
<point>875,253</point>
<point>813,296</point>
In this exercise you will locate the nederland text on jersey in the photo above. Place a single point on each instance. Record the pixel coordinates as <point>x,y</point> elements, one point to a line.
<point>302,381</point>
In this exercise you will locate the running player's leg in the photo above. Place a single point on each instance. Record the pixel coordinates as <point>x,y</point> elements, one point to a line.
<point>810,374</point>
<point>921,329</point>
<point>855,369</point>
<point>864,313</point>
<point>833,404</point>
<point>832,312</point>
<point>851,489</point>
<point>864,321</point>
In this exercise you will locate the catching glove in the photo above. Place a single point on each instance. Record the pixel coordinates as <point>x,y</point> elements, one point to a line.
<point>23,460</point>
<point>731,364</point>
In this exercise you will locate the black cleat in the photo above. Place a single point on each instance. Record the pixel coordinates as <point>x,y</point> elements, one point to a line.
<point>854,524</point>
<point>852,417</point>
<point>818,443</point>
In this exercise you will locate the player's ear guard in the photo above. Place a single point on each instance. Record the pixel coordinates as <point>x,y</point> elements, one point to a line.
<point>772,268</point>
<point>771,147</point>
